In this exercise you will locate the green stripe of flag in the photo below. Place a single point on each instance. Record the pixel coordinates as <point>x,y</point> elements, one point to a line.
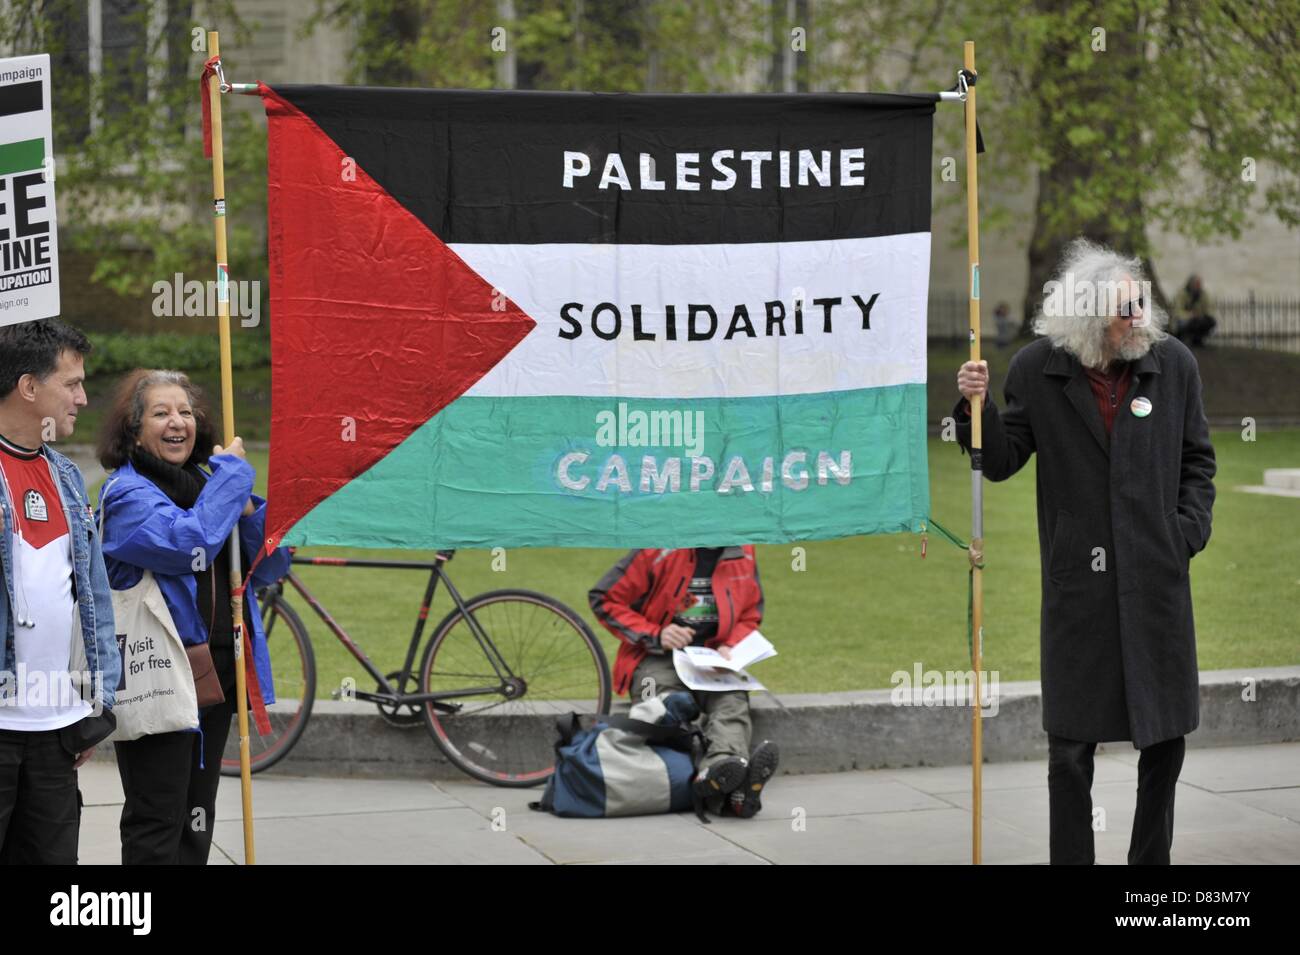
<point>483,473</point>
<point>22,157</point>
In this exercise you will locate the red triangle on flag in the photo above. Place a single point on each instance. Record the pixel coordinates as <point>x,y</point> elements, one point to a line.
<point>376,324</point>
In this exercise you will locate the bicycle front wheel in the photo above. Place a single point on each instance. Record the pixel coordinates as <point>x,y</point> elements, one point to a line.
<point>293,664</point>
<point>530,660</point>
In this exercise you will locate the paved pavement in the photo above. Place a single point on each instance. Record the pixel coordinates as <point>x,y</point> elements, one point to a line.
<point>1236,805</point>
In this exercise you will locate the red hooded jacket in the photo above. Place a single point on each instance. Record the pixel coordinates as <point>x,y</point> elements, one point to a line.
<point>642,592</point>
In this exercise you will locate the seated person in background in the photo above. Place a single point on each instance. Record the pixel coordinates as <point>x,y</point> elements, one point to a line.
<point>1195,321</point>
<point>656,601</point>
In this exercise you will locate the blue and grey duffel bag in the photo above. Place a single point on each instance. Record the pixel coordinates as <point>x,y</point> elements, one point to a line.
<point>631,765</point>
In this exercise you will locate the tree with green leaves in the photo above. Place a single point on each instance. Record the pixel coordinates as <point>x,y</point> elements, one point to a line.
<point>134,188</point>
<point>1121,114</point>
<point>1137,113</point>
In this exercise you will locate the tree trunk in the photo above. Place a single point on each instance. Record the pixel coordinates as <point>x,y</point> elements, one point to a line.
<point>401,31</point>
<point>1099,98</point>
<point>1047,244</point>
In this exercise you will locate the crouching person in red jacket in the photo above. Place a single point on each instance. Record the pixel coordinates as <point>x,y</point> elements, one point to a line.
<point>658,601</point>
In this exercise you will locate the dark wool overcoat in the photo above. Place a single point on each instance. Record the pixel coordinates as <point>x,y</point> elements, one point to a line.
<point>1119,518</point>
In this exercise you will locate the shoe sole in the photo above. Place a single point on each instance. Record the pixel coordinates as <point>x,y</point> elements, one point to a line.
<point>732,776</point>
<point>762,767</point>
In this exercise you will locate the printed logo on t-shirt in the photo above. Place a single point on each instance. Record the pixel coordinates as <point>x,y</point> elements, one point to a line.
<point>34,506</point>
<point>699,604</point>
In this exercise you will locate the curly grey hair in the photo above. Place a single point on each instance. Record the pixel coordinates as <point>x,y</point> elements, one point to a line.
<point>1080,301</point>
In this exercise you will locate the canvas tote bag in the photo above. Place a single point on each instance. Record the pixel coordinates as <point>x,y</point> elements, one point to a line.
<point>155,693</point>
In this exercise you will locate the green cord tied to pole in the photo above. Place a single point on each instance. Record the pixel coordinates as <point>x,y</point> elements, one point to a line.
<point>970,579</point>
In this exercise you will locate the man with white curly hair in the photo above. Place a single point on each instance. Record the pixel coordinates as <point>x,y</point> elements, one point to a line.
<point>1112,404</point>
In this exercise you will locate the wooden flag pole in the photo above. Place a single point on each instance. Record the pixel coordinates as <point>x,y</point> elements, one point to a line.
<point>228,422</point>
<point>977,463</point>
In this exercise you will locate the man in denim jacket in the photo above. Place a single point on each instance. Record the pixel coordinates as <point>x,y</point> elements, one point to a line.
<point>56,600</point>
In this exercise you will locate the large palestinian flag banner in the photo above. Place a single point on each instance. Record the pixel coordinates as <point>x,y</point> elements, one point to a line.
<point>596,320</point>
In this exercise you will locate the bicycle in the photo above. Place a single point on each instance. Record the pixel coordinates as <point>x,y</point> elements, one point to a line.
<point>481,683</point>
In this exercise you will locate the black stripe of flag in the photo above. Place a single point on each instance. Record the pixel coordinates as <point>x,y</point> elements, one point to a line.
<point>20,98</point>
<point>488,166</point>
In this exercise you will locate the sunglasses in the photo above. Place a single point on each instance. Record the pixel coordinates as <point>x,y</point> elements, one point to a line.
<point>1126,309</point>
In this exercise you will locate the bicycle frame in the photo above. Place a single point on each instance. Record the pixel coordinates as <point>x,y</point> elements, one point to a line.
<point>396,695</point>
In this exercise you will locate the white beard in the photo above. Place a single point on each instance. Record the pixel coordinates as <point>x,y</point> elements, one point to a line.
<point>1133,347</point>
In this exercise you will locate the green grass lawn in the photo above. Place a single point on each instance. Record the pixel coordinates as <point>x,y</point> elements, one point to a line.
<point>868,606</point>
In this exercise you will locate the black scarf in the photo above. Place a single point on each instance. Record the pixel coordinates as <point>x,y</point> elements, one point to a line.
<point>181,484</point>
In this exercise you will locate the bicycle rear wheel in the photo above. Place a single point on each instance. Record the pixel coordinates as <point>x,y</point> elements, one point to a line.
<point>505,734</point>
<point>294,666</point>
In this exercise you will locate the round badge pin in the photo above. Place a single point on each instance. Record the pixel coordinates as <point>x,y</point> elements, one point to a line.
<point>1141,407</point>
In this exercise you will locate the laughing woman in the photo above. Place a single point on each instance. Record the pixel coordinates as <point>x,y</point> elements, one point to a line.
<point>164,512</point>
